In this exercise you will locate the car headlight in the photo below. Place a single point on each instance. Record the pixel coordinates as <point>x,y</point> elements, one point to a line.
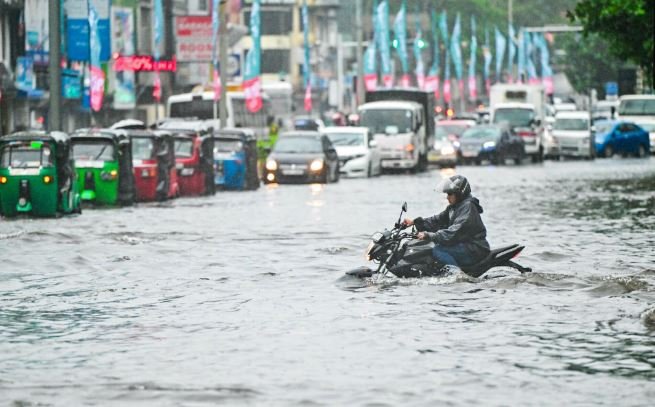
<point>316,165</point>
<point>489,144</point>
<point>271,165</point>
<point>446,150</point>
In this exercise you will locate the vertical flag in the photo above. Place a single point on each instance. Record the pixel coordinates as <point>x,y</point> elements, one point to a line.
<point>432,80</point>
<point>252,82</point>
<point>443,26</point>
<point>306,67</point>
<point>532,71</point>
<point>370,56</point>
<point>546,70</point>
<point>500,53</point>
<point>97,74</point>
<point>384,42</point>
<point>159,33</point>
<point>216,23</point>
<point>486,51</point>
<point>419,71</point>
<point>456,53</point>
<point>400,34</point>
<point>521,57</point>
<point>473,89</point>
<point>511,52</point>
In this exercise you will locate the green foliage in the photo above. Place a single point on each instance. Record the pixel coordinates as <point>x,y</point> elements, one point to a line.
<point>626,25</point>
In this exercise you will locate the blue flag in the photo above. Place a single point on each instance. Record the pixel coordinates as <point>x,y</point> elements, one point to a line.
<point>500,53</point>
<point>400,33</point>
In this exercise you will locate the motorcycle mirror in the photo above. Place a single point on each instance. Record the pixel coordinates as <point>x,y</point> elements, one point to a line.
<point>404,206</point>
<point>400,217</point>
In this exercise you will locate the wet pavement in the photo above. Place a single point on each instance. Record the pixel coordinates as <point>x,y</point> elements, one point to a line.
<point>240,298</point>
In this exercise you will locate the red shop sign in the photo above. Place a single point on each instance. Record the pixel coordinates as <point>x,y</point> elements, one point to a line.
<point>139,63</point>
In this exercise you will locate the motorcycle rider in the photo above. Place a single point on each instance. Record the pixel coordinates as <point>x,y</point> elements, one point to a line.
<point>458,232</point>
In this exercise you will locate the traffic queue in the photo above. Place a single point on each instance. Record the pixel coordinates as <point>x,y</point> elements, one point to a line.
<point>51,174</point>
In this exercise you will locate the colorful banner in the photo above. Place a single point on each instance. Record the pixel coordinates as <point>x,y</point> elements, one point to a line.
<point>97,74</point>
<point>400,40</point>
<point>511,52</point>
<point>419,71</point>
<point>546,70</point>
<point>520,75</point>
<point>446,79</point>
<point>252,81</point>
<point>370,56</point>
<point>193,38</point>
<point>456,53</point>
<point>500,53</point>
<point>472,85</point>
<point>77,29</point>
<point>158,28</point>
<point>486,52</point>
<point>532,71</point>
<point>216,21</point>
<point>432,80</point>
<point>306,69</point>
<point>122,44</point>
<point>384,42</point>
<point>36,31</point>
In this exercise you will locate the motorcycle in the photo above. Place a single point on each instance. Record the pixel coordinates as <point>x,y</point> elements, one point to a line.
<point>402,254</point>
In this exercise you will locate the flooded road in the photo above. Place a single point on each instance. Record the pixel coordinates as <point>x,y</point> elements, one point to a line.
<point>240,299</point>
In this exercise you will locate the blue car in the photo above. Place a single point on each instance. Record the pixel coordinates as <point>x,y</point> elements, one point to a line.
<point>621,137</point>
<point>235,159</point>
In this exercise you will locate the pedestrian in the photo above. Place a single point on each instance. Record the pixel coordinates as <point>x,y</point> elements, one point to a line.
<point>459,235</point>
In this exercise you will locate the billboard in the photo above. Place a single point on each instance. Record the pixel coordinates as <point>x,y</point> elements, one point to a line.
<point>193,36</point>
<point>77,29</point>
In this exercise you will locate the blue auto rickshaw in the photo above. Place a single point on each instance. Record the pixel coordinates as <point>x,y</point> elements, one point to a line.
<point>235,159</point>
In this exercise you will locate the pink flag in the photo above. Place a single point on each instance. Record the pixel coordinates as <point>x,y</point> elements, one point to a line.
<point>97,87</point>
<point>405,81</point>
<point>217,85</point>
<point>156,91</point>
<point>371,81</point>
<point>473,88</point>
<point>388,81</point>
<point>253,92</point>
<point>308,98</point>
<point>446,91</point>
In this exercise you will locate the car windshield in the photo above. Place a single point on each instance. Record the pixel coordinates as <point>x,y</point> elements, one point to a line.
<point>484,133</point>
<point>603,127</point>
<point>305,124</point>
<point>637,107</point>
<point>571,124</point>
<point>142,148</point>
<point>227,146</point>
<point>33,155</point>
<point>93,151</point>
<point>183,148</point>
<point>347,139</point>
<point>515,117</point>
<point>291,144</point>
<point>377,120</point>
<point>456,129</point>
<point>649,127</point>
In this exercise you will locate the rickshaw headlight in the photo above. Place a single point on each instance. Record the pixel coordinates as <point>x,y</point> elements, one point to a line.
<point>186,171</point>
<point>146,173</point>
<point>3,180</point>
<point>316,165</point>
<point>109,176</point>
<point>47,179</point>
<point>271,165</point>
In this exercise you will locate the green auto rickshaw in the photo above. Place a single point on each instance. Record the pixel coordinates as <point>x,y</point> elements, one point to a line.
<point>37,175</point>
<point>103,161</point>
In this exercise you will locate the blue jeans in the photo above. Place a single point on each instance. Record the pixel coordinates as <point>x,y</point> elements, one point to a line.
<point>457,255</point>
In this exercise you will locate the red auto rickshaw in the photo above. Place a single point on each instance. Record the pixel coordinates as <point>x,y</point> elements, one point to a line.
<point>153,159</point>
<point>194,160</point>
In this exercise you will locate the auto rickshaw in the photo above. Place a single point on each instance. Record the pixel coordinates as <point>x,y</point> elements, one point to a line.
<point>103,161</point>
<point>37,175</point>
<point>194,160</point>
<point>235,159</point>
<point>153,159</point>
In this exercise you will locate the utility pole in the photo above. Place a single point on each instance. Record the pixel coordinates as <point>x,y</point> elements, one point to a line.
<point>54,66</point>
<point>222,55</point>
<point>360,64</point>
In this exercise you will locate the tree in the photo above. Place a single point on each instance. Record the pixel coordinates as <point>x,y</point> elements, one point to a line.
<point>626,25</point>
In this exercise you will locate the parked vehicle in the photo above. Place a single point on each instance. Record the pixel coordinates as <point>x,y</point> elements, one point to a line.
<point>649,126</point>
<point>621,137</point>
<point>235,159</point>
<point>495,143</point>
<point>153,158</point>
<point>194,149</point>
<point>635,108</point>
<point>302,156</point>
<point>571,132</point>
<point>358,152</point>
<point>401,123</point>
<point>307,123</point>
<point>103,161</point>
<point>443,153</point>
<point>604,109</point>
<point>37,175</point>
<point>523,107</point>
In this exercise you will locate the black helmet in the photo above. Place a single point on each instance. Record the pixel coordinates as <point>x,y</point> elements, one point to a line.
<point>458,185</point>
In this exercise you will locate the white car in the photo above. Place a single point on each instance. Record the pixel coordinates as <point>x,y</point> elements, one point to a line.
<point>358,153</point>
<point>572,133</point>
<point>649,126</point>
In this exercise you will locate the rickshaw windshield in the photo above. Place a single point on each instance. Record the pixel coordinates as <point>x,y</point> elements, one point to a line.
<point>227,146</point>
<point>33,155</point>
<point>94,151</point>
<point>183,148</point>
<point>142,148</point>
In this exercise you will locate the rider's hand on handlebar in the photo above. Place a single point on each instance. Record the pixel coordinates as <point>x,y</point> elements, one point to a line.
<point>407,223</point>
<point>422,236</point>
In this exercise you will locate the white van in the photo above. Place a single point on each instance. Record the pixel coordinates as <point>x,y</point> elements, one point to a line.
<point>572,133</point>
<point>636,107</point>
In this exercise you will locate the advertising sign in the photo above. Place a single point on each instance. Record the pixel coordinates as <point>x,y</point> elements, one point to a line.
<point>122,43</point>
<point>36,31</point>
<point>77,29</point>
<point>193,36</point>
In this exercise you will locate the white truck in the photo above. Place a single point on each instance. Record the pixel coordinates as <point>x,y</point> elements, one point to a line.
<point>523,107</point>
<point>402,126</point>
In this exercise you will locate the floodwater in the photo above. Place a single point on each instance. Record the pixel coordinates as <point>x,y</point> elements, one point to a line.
<point>240,298</point>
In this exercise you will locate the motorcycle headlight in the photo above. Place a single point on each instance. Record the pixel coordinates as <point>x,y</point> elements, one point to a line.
<point>376,237</point>
<point>271,165</point>
<point>316,165</point>
<point>367,253</point>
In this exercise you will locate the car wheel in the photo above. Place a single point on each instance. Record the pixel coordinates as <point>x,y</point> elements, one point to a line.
<point>369,171</point>
<point>337,173</point>
<point>641,152</point>
<point>609,152</point>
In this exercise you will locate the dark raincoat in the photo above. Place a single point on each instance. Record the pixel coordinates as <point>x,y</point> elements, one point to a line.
<point>459,223</point>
